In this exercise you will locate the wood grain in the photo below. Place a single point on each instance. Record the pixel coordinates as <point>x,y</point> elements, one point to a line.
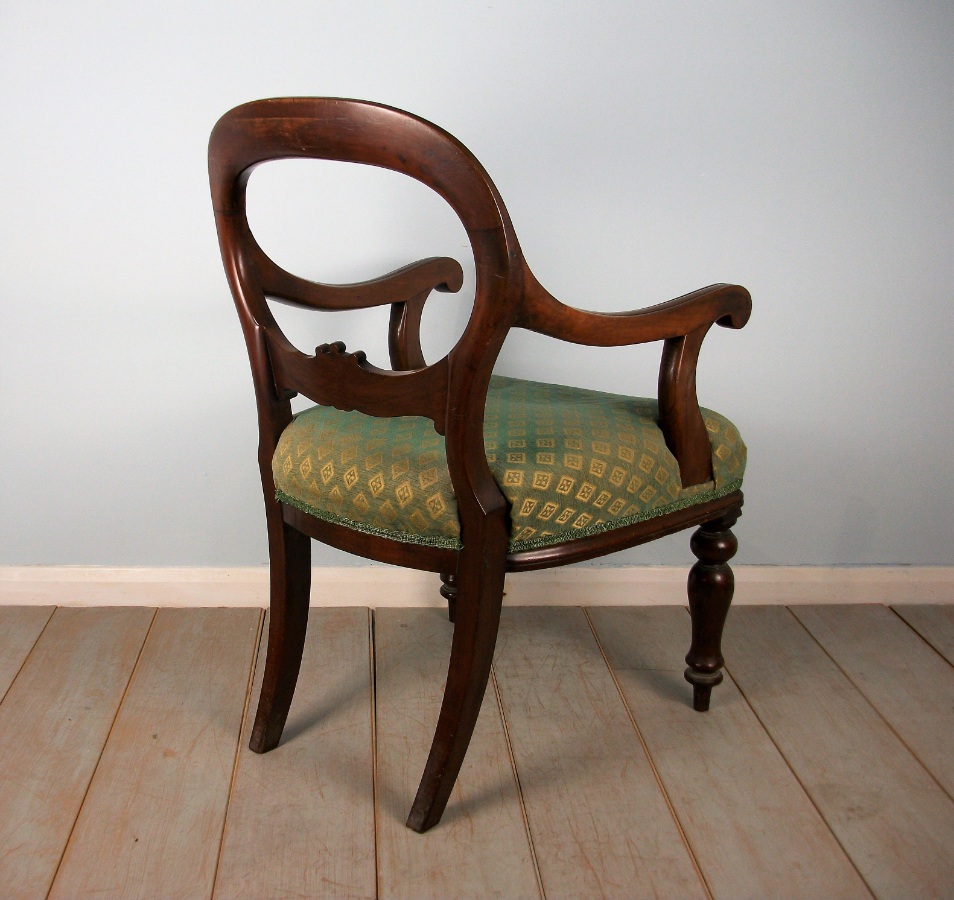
<point>54,722</point>
<point>301,817</point>
<point>754,831</point>
<point>598,818</point>
<point>888,813</point>
<point>934,622</point>
<point>480,848</point>
<point>152,821</point>
<point>903,677</point>
<point>19,629</point>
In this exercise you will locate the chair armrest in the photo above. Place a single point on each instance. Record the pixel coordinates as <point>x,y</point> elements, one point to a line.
<point>728,305</point>
<point>682,324</point>
<point>435,273</point>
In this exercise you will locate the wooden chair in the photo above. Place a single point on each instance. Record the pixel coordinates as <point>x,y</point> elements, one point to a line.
<point>442,466</point>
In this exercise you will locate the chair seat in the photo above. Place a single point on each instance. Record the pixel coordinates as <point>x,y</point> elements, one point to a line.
<point>571,462</point>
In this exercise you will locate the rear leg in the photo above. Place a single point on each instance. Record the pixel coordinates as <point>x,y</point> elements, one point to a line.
<point>476,619</point>
<point>290,586</point>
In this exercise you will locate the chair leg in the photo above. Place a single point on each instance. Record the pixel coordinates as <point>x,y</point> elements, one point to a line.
<point>711,583</point>
<point>476,619</point>
<point>449,593</point>
<point>290,577</point>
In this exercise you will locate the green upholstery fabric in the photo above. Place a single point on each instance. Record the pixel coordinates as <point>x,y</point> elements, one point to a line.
<point>571,462</point>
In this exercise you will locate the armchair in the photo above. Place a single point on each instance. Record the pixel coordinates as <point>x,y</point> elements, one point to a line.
<point>443,466</point>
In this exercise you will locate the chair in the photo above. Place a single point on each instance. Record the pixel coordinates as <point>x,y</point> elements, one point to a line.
<point>445,467</point>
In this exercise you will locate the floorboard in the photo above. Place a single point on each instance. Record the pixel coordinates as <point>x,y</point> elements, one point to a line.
<point>152,822</point>
<point>599,821</point>
<point>20,626</point>
<point>480,848</point>
<point>904,678</point>
<point>819,771</point>
<point>934,622</point>
<point>301,817</point>
<point>53,723</point>
<point>889,814</point>
<point>753,829</point>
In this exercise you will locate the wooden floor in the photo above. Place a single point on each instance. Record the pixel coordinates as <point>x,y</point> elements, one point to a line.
<point>824,768</point>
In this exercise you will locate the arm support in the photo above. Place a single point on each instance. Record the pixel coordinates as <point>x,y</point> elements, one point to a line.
<point>680,418</point>
<point>436,273</point>
<point>682,324</point>
<point>404,334</point>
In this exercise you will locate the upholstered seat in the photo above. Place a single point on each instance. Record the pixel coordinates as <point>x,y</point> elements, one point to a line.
<point>571,462</point>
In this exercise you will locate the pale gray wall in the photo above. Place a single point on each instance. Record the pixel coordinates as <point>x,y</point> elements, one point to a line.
<point>644,149</point>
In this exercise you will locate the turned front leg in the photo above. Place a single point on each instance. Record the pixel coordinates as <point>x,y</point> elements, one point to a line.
<point>710,592</point>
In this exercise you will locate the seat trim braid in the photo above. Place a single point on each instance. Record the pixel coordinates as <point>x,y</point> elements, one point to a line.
<point>582,549</point>
<point>636,518</point>
<point>402,537</point>
<point>514,546</point>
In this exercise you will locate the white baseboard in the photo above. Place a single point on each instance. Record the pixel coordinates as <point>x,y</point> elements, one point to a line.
<point>380,586</point>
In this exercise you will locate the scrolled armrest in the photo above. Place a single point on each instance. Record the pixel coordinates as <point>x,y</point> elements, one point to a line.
<point>681,323</point>
<point>728,305</point>
<point>439,273</point>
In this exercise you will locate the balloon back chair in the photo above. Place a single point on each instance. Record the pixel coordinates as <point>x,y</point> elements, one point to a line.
<point>445,467</point>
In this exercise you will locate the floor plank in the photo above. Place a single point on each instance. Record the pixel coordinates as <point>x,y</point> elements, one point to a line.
<point>934,622</point>
<point>54,722</point>
<point>904,678</point>
<point>152,822</point>
<point>821,714</point>
<point>599,821</point>
<point>891,817</point>
<point>480,848</point>
<point>20,626</point>
<point>301,818</point>
<point>753,829</point>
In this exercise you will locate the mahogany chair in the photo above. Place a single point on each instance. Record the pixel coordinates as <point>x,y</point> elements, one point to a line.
<point>444,467</point>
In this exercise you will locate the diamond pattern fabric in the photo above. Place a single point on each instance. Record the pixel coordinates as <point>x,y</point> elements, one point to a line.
<point>571,462</point>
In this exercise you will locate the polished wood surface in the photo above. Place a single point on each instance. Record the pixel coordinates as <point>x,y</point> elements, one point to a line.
<point>710,592</point>
<point>451,391</point>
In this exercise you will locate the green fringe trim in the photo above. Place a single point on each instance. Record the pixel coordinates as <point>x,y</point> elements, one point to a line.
<point>449,543</point>
<point>403,537</point>
<point>645,515</point>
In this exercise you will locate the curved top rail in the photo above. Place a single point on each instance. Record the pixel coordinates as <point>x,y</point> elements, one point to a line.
<point>349,131</point>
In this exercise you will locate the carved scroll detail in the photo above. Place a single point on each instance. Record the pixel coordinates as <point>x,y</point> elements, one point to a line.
<point>347,381</point>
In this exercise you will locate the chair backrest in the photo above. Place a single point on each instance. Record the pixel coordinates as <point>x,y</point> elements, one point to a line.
<point>451,391</point>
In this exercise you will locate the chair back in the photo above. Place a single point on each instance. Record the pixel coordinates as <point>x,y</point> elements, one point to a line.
<point>451,391</point>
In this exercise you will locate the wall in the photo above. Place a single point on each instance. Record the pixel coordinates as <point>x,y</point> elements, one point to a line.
<point>803,150</point>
